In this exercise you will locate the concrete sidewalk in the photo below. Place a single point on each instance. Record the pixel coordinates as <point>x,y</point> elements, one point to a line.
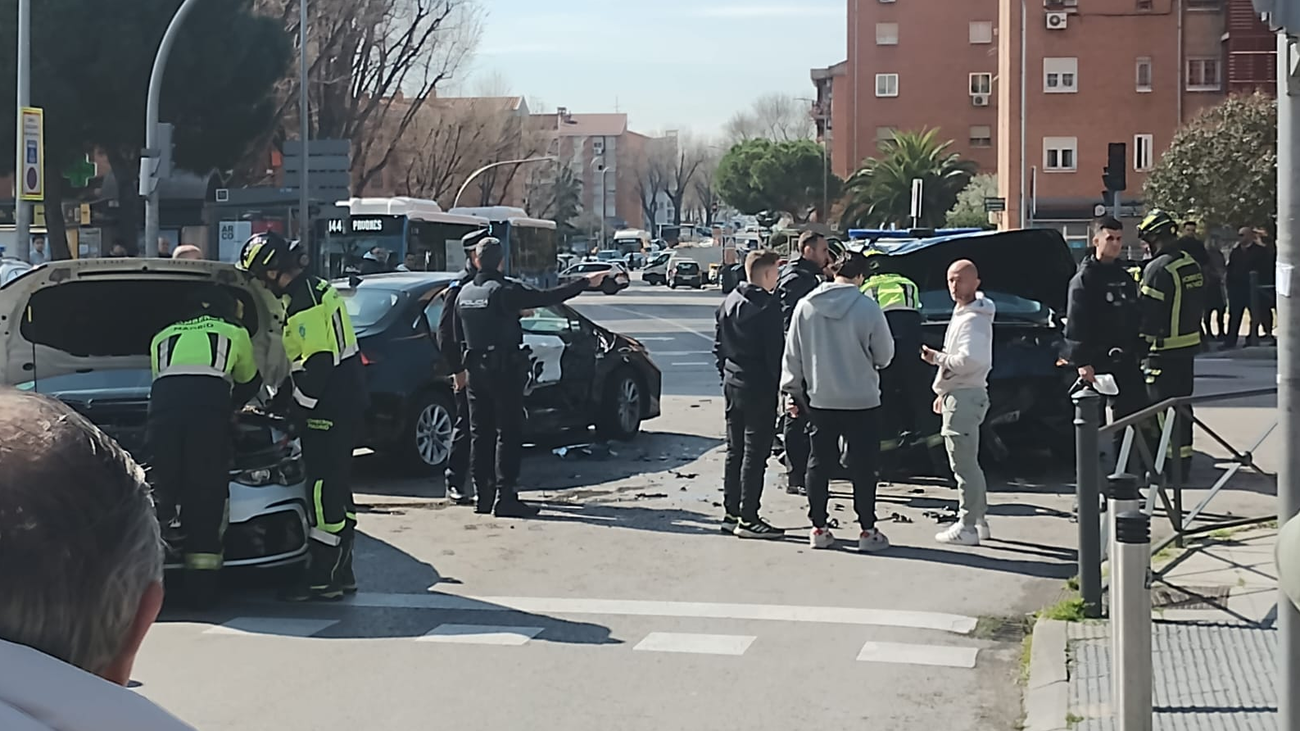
<point>1214,643</point>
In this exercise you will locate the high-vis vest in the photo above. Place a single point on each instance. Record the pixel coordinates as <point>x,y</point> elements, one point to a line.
<point>318,329</point>
<point>1181,298</point>
<point>893,292</point>
<point>203,346</point>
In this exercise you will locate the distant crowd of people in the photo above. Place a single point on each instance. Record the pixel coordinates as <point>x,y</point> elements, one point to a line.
<point>1236,284</point>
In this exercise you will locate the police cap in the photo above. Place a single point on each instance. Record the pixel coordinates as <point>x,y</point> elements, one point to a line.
<point>470,240</point>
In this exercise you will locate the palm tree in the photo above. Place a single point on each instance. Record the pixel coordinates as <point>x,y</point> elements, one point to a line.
<point>880,192</point>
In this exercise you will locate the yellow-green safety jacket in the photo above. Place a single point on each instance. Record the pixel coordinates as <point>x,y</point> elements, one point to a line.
<point>1172,302</point>
<point>318,336</point>
<point>893,292</point>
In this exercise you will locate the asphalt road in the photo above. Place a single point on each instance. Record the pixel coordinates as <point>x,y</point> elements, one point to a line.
<point>624,608</point>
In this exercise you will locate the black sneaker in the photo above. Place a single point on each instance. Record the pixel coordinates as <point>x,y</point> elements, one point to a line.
<point>516,509</point>
<point>729,523</point>
<point>758,528</point>
<point>794,489</point>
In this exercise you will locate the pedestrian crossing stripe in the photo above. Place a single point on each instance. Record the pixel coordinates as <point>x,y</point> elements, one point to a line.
<point>279,626</point>
<point>481,634</point>
<point>701,644</point>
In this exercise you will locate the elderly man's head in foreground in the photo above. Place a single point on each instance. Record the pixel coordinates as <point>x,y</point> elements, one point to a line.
<point>81,561</point>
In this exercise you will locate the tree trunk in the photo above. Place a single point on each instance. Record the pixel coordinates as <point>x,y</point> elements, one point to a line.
<point>130,207</point>
<point>56,232</point>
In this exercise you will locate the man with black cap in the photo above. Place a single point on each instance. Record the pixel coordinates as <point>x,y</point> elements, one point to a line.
<point>488,310</point>
<point>451,343</point>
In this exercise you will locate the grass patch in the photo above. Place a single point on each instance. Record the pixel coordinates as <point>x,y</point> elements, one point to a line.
<point>1073,719</point>
<point>1026,653</point>
<point>1165,555</point>
<point>1069,609</point>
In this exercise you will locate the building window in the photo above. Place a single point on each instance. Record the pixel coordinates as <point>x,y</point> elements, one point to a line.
<point>981,31</point>
<point>1061,75</point>
<point>981,135</point>
<point>1144,74</point>
<point>1203,4</point>
<point>1142,152</point>
<point>1059,153</point>
<point>981,83</point>
<point>1203,74</point>
<point>1143,4</point>
<point>886,84</point>
<point>883,135</point>
<point>886,34</point>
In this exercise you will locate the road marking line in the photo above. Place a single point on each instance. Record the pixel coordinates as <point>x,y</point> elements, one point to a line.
<point>901,654</point>
<point>665,320</point>
<point>678,353</point>
<point>696,610</point>
<point>480,634</point>
<point>692,363</point>
<point>699,644</point>
<point>283,626</point>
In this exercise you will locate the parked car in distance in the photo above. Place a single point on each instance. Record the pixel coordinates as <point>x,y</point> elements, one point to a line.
<point>616,281</point>
<point>609,255</point>
<point>685,273</point>
<point>564,261</point>
<point>583,374</point>
<point>655,270</point>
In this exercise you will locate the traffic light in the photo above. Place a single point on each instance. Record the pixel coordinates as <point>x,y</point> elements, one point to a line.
<point>1283,14</point>
<point>1108,199</point>
<point>1116,174</point>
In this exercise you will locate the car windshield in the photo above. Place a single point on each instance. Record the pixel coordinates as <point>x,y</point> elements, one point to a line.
<point>936,306</point>
<point>368,305</point>
<point>686,266</point>
<point>608,255</point>
<point>588,267</point>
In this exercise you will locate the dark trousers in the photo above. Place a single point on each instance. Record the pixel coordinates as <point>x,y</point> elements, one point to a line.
<point>794,435</point>
<point>1170,377</point>
<point>190,473</point>
<point>1132,396</point>
<point>496,412</point>
<point>1261,313</point>
<point>860,431</point>
<point>329,434</point>
<point>750,430</point>
<point>1238,303</point>
<point>458,461</point>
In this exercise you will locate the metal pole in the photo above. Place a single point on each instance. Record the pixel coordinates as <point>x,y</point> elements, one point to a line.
<point>1288,368</point>
<point>1087,422</point>
<point>456,202</point>
<point>604,204</point>
<point>1115,204</point>
<point>304,212</point>
<point>1024,199</point>
<point>150,156</point>
<point>826,181</point>
<point>22,210</point>
<point>1130,617</point>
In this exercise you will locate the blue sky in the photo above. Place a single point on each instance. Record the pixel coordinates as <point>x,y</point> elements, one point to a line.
<point>669,64</point>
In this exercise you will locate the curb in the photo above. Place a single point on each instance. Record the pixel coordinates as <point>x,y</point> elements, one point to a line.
<point>1253,352</point>
<point>1047,697</point>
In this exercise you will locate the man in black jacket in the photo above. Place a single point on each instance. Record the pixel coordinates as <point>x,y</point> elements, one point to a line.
<point>451,344</point>
<point>488,309</point>
<point>1101,327</point>
<point>748,347</point>
<point>797,280</point>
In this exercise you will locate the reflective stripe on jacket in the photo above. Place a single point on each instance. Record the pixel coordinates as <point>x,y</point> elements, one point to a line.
<point>1172,298</point>
<point>203,346</point>
<point>893,292</point>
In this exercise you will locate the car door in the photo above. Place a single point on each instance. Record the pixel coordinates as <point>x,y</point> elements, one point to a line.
<point>563,365</point>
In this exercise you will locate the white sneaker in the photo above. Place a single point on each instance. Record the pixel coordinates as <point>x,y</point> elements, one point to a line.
<point>821,538</point>
<point>982,528</point>
<point>872,541</point>
<point>959,535</point>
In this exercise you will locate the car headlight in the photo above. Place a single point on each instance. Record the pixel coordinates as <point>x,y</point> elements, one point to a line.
<point>256,478</point>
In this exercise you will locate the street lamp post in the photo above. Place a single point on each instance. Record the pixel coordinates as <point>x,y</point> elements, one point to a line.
<point>304,214</point>
<point>545,158</point>
<point>151,155</point>
<point>826,168</point>
<point>22,212</point>
<point>599,163</point>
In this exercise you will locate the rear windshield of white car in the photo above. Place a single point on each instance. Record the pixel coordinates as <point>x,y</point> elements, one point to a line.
<point>687,265</point>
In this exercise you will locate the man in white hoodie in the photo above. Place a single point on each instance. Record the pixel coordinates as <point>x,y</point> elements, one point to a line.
<point>838,342</point>
<point>962,388</point>
<point>81,565</point>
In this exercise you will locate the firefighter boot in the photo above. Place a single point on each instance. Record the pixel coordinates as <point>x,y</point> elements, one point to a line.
<point>347,580</point>
<point>321,580</point>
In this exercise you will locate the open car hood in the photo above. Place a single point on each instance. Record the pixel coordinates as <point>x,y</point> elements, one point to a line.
<point>1035,264</point>
<point>101,314</point>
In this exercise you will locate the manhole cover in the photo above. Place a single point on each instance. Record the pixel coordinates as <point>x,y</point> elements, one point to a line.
<point>1190,597</point>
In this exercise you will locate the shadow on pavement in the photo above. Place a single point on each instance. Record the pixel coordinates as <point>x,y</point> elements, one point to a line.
<point>415,611</point>
<point>1041,569</point>
<point>655,520</point>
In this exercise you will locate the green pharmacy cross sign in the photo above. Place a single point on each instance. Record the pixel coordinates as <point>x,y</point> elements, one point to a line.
<point>80,172</point>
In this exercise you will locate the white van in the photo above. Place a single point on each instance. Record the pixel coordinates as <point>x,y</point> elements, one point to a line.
<point>632,240</point>
<point>655,270</point>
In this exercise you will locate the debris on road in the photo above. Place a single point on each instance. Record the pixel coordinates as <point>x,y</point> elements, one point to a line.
<point>899,518</point>
<point>941,516</point>
<point>684,475</point>
<point>649,495</point>
<point>583,451</point>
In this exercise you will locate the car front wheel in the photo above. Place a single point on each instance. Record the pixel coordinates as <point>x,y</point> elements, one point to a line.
<point>426,444</point>
<point>609,286</point>
<point>620,410</point>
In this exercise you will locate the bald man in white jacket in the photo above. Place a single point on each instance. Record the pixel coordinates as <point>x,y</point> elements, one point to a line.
<point>962,398</point>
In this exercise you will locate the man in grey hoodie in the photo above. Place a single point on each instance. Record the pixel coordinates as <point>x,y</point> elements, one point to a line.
<point>838,341</point>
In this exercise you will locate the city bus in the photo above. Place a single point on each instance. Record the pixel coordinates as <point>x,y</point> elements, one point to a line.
<point>530,243</point>
<point>380,234</point>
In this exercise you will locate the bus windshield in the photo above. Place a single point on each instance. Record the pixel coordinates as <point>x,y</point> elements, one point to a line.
<point>533,255</point>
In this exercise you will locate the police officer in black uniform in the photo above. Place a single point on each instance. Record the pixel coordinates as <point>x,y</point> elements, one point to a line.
<point>451,344</point>
<point>1172,300</point>
<point>797,280</point>
<point>489,309</point>
<point>1101,327</point>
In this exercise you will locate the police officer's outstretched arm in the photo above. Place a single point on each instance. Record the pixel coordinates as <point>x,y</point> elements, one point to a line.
<point>247,379</point>
<point>520,296</point>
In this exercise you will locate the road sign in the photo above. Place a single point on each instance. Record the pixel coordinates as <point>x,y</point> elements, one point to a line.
<point>918,189</point>
<point>32,176</point>
<point>231,236</point>
<point>995,205</point>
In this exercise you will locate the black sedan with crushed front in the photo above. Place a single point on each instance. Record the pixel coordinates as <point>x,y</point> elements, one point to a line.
<point>583,375</point>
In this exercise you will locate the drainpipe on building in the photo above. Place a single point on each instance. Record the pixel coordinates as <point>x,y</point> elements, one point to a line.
<point>1178,8</point>
<point>1024,199</point>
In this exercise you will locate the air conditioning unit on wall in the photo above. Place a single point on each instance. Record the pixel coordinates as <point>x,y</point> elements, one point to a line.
<point>979,100</point>
<point>1057,21</point>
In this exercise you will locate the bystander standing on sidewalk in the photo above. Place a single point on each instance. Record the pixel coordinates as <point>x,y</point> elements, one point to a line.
<point>962,397</point>
<point>1249,255</point>
<point>837,344</point>
<point>748,347</point>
